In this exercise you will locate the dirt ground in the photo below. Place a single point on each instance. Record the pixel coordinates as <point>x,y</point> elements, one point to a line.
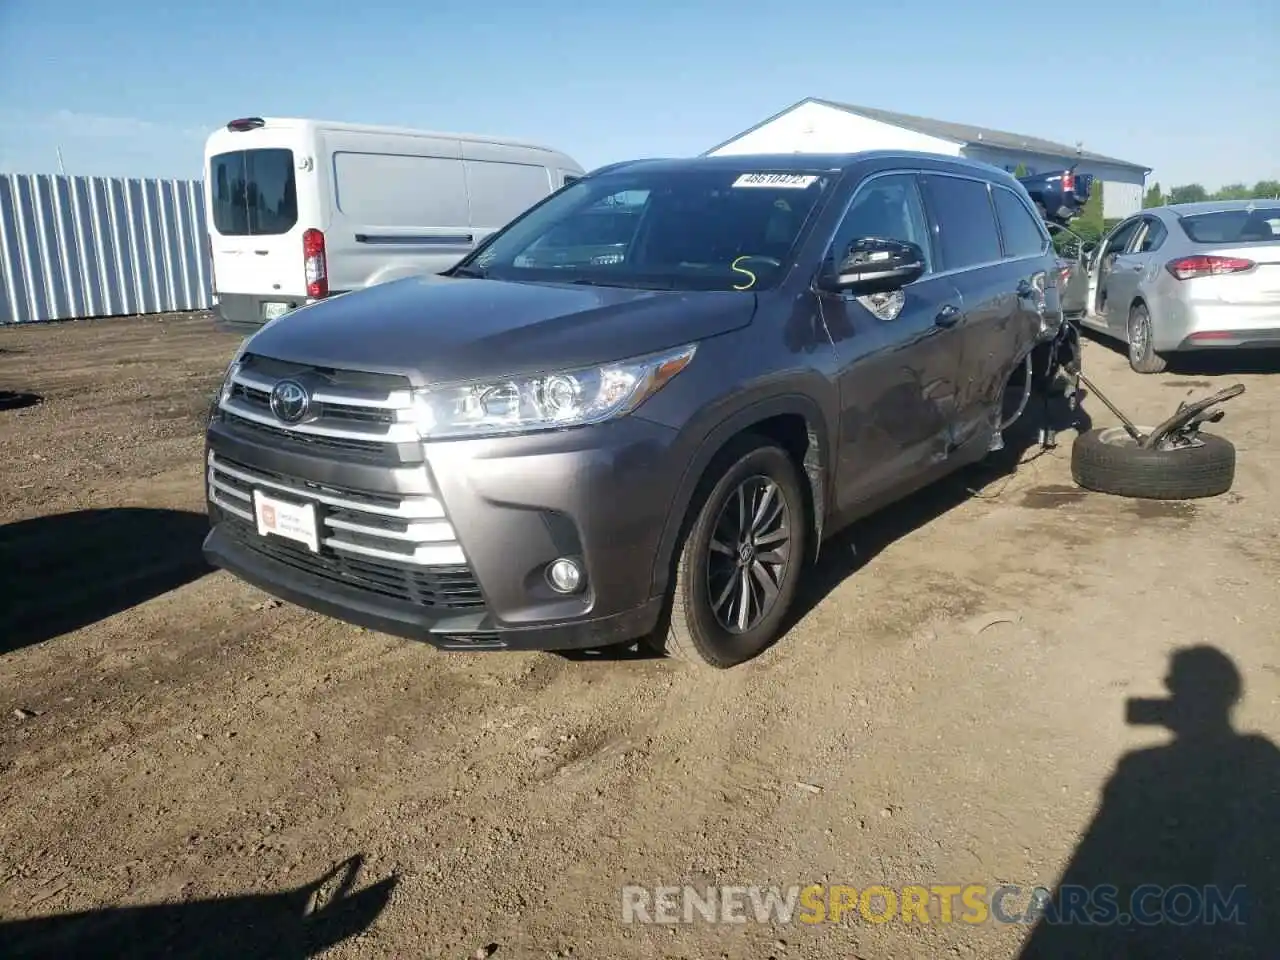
<point>948,709</point>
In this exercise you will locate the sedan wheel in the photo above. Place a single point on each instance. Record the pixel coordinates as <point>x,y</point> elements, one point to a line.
<point>1142,356</point>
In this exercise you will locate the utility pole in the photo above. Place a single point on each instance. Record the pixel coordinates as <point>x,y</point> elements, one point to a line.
<point>61,169</point>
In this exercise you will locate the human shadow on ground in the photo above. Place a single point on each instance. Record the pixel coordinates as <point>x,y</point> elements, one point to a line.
<point>1183,856</point>
<point>290,925</point>
<point>68,570</point>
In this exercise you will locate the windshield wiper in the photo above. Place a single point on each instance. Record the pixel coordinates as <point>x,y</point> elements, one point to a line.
<point>475,273</point>
<point>625,284</point>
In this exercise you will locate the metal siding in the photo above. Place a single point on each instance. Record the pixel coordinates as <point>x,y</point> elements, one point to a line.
<point>79,247</point>
<point>1121,199</point>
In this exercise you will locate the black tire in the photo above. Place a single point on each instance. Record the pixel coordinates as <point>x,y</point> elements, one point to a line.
<point>1107,460</point>
<point>1142,356</point>
<point>690,630</point>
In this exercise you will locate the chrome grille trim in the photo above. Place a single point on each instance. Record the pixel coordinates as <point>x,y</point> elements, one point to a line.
<point>357,415</point>
<point>349,397</point>
<point>399,431</point>
<point>410,530</point>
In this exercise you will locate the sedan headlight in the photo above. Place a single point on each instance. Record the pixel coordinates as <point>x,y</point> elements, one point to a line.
<point>549,401</point>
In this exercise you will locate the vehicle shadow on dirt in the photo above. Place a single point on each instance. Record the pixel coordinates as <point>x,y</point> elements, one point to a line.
<point>1209,363</point>
<point>18,399</point>
<point>69,570</point>
<point>290,925</point>
<point>850,550</point>
<point>1182,858</point>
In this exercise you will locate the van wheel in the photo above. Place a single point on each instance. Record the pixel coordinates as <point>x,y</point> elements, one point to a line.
<point>1142,356</point>
<point>739,562</point>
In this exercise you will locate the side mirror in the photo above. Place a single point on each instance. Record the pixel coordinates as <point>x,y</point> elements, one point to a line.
<point>875,265</point>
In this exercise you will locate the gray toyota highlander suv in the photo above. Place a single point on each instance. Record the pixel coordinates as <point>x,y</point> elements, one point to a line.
<point>636,410</point>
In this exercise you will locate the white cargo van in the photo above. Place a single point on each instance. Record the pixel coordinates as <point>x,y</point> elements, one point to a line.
<point>299,210</point>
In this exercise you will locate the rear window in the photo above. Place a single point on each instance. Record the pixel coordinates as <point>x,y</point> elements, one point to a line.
<point>253,192</point>
<point>966,224</point>
<point>1023,234</point>
<point>1233,226</point>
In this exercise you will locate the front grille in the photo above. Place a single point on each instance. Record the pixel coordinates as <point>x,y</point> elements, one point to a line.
<point>353,416</point>
<point>441,588</point>
<point>396,546</point>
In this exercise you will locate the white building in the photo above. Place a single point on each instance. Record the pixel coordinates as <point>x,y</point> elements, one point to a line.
<point>822,126</point>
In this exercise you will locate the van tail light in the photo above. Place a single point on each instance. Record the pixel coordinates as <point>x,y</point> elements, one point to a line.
<point>1068,182</point>
<point>1189,268</point>
<point>314,264</point>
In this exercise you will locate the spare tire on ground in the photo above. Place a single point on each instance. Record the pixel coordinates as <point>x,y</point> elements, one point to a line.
<point>1108,460</point>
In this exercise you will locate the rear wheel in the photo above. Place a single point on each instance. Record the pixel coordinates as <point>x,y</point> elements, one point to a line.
<point>740,560</point>
<point>1142,355</point>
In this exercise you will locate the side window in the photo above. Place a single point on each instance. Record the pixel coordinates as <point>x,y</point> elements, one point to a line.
<point>1024,236</point>
<point>1154,236</point>
<point>1119,241</point>
<point>964,220</point>
<point>887,207</point>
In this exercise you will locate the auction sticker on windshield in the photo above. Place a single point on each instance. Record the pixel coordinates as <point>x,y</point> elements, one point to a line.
<point>785,181</point>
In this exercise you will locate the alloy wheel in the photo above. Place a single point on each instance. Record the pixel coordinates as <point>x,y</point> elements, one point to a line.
<point>1139,335</point>
<point>748,556</point>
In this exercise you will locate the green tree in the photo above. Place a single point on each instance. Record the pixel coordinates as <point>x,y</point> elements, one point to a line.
<point>1233,191</point>
<point>1267,189</point>
<point>1089,225</point>
<point>1154,197</point>
<point>1020,170</point>
<point>1188,193</point>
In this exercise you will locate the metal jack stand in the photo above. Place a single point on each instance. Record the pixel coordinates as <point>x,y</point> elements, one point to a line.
<point>1179,430</point>
<point>1068,337</point>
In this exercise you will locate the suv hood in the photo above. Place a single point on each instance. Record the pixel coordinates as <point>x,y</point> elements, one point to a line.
<point>437,329</point>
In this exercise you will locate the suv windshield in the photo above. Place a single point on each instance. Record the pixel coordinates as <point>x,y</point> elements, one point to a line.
<point>1233,226</point>
<point>668,229</point>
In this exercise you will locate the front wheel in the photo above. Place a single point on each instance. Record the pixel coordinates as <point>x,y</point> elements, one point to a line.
<point>740,560</point>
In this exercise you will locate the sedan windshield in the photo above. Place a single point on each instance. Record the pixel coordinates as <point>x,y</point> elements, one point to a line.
<point>1234,226</point>
<point>665,229</point>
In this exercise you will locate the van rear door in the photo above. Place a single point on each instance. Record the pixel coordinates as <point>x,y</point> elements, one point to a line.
<point>254,224</point>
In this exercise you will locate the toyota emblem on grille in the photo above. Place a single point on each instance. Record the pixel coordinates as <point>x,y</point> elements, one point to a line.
<point>290,401</point>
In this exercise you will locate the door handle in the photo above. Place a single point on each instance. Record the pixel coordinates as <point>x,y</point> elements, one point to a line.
<point>947,316</point>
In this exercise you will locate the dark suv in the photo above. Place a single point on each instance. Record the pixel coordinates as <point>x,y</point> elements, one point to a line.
<point>636,410</point>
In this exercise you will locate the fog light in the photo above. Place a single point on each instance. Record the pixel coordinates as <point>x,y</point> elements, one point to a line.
<point>565,576</point>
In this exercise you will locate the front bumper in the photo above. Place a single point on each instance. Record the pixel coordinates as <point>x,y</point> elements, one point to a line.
<point>599,495</point>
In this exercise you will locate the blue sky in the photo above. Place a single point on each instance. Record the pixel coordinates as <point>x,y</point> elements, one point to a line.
<point>129,87</point>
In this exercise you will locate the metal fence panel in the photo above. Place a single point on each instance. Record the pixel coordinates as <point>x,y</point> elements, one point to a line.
<point>78,247</point>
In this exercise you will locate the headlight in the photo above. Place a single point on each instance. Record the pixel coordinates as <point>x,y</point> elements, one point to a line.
<point>228,378</point>
<point>524,404</point>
